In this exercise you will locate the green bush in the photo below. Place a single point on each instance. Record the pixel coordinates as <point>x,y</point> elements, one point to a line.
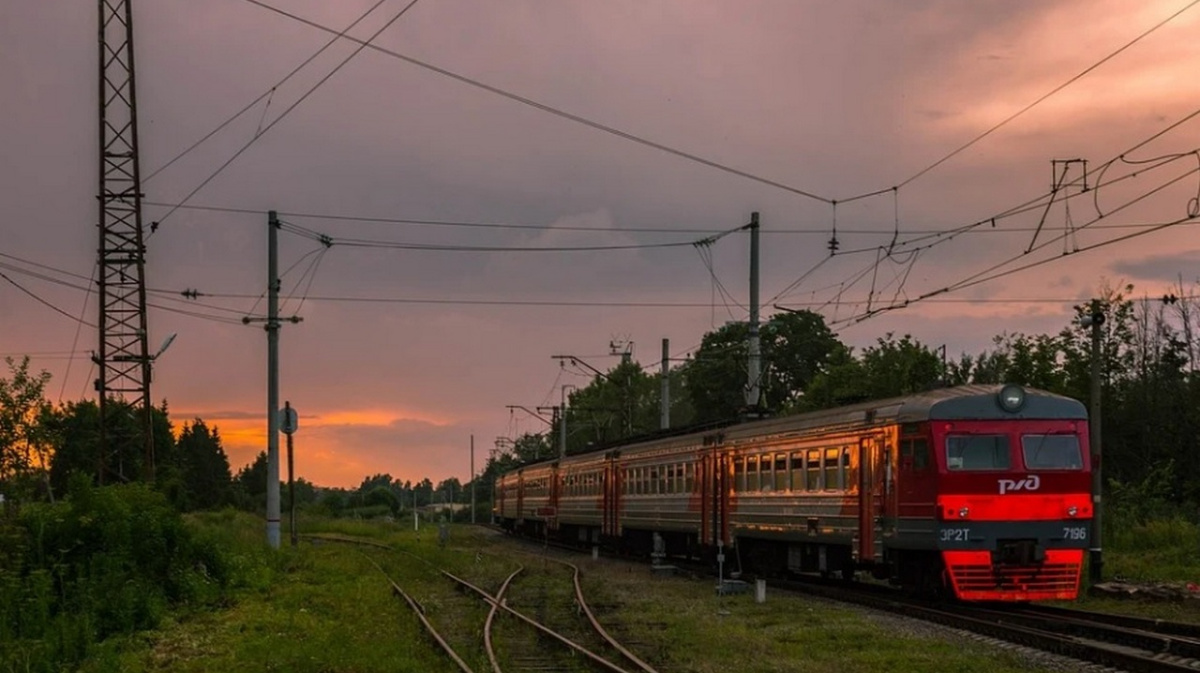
<point>104,561</point>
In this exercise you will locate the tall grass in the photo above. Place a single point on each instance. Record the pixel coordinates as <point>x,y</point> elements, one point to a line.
<point>104,561</point>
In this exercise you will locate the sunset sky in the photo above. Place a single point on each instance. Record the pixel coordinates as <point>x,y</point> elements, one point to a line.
<point>405,351</point>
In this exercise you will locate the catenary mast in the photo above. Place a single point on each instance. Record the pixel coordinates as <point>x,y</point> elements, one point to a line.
<point>123,361</point>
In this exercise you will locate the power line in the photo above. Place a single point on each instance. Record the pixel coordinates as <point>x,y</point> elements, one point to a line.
<point>269,93</point>
<point>396,245</point>
<point>1028,107</point>
<point>558,112</point>
<point>993,272</point>
<point>791,231</point>
<point>42,301</point>
<point>291,107</point>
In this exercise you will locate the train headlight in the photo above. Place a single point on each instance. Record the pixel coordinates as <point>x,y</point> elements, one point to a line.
<point>1072,511</point>
<point>1011,398</point>
<point>963,512</point>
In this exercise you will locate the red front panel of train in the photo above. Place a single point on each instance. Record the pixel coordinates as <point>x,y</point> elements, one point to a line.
<point>1014,507</point>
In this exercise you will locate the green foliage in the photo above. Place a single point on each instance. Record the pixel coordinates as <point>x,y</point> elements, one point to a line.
<point>796,348</point>
<point>104,561</point>
<point>204,465</point>
<point>24,446</point>
<point>887,369</point>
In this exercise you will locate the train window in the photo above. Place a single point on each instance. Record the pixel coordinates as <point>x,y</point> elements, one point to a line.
<point>977,452</point>
<point>766,483</point>
<point>920,453</point>
<point>1051,452</point>
<point>832,482</point>
<point>752,473</point>
<point>739,474</point>
<point>689,477</point>
<point>812,464</point>
<point>849,469</point>
<point>782,483</point>
<point>798,471</point>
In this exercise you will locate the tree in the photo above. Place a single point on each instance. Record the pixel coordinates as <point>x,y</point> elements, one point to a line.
<point>252,481</point>
<point>888,369</point>
<point>796,347</point>
<point>25,448</point>
<point>617,404</point>
<point>74,430</point>
<point>205,466</point>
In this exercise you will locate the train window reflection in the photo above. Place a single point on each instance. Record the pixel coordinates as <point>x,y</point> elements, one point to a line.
<point>1052,452</point>
<point>849,469</point>
<point>832,481</point>
<point>813,467</point>
<point>798,471</point>
<point>977,452</point>
<point>782,483</point>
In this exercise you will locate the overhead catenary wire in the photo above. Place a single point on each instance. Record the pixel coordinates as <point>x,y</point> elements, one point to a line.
<point>790,231</point>
<point>361,45</point>
<point>42,301</point>
<point>1027,107</point>
<point>994,271</point>
<point>269,94</point>
<point>1039,202</point>
<point>611,130</point>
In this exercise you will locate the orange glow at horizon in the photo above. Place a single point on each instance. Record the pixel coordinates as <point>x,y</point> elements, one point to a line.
<point>319,457</point>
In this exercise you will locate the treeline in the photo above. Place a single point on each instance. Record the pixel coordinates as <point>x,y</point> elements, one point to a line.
<point>1148,351</point>
<point>43,446</point>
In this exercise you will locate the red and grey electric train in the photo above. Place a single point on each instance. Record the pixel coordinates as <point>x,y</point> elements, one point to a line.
<point>979,491</point>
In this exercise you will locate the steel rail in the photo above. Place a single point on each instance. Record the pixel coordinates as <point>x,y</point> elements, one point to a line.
<point>420,612</point>
<point>597,659</point>
<point>487,625</point>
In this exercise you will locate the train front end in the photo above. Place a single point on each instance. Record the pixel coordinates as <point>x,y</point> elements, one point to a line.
<point>1014,504</point>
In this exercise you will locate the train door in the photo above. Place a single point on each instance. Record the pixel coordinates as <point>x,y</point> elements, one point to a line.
<point>611,497</point>
<point>555,477</point>
<point>871,498</point>
<point>714,497</point>
<point>520,511</point>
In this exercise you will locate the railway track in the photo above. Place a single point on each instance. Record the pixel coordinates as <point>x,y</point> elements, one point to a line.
<point>535,621</point>
<point>1125,643</point>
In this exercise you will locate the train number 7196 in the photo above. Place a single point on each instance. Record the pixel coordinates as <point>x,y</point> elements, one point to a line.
<point>1074,533</point>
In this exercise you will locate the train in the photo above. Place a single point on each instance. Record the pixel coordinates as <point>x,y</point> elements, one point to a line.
<point>980,492</point>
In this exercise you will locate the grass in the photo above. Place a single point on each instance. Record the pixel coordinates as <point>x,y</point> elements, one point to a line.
<point>325,607</point>
<point>316,608</point>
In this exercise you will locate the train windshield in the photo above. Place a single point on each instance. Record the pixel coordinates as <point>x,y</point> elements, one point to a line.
<point>1052,452</point>
<point>977,452</point>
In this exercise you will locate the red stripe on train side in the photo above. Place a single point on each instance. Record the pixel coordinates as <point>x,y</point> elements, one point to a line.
<point>1015,507</point>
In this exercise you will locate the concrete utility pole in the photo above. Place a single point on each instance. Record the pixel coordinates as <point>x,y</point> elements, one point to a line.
<point>754,366</point>
<point>562,423</point>
<point>1095,320</point>
<point>472,478</point>
<point>273,379</point>
<point>664,421</point>
<point>273,322</point>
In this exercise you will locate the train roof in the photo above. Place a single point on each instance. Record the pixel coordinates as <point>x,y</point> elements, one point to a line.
<point>954,403</point>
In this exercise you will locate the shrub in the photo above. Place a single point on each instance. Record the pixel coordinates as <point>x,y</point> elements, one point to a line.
<point>104,561</point>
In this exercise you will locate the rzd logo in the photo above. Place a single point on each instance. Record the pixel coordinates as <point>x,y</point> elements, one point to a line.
<point>1030,483</point>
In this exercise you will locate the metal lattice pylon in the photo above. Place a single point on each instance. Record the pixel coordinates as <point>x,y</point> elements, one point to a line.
<point>123,385</point>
